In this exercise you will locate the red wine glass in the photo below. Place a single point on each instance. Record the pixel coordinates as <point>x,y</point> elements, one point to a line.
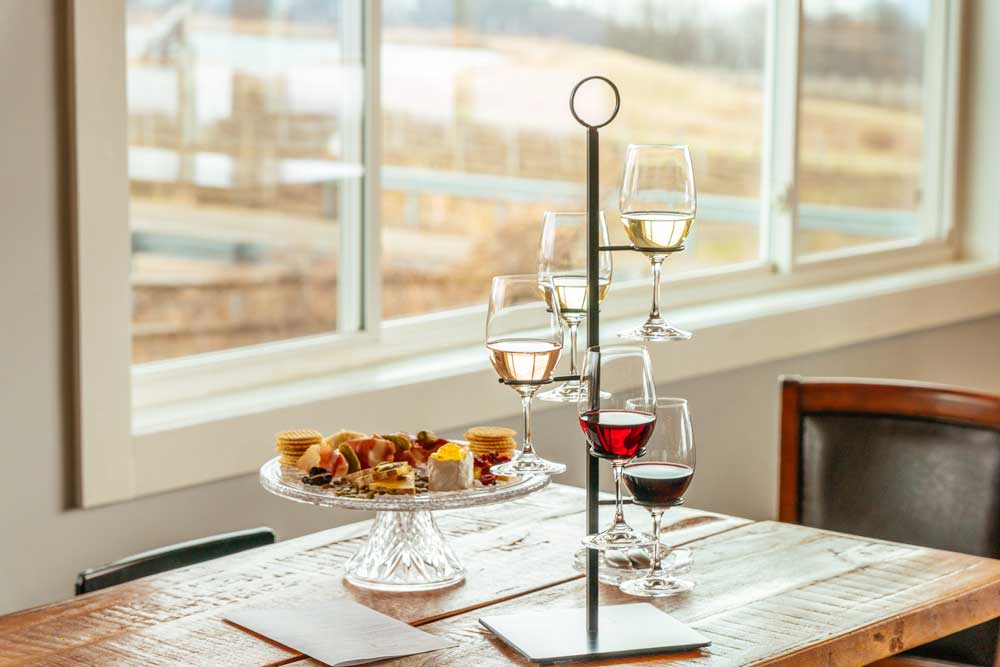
<point>612,377</point>
<point>658,482</point>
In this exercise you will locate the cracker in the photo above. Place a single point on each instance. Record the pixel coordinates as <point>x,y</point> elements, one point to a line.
<point>489,433</point>
<point>491,446</point>
<point>299,435</point>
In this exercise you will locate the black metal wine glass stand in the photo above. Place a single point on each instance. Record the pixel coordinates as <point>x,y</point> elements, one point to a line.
<point>631,629</point>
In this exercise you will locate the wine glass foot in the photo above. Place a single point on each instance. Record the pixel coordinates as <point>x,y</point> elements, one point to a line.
<point>528,464</point>
<point>567,392</point>
<point>656,586</point>
<point>655,330</point>
<point>615,566</point>
<point>618,536</point>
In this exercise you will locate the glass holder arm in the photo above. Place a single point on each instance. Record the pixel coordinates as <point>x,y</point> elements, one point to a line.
<point>659,251</point>
<point>554,378</point>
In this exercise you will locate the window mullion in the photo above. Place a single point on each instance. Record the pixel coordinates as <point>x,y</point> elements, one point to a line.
<point>372,213</point>
<point>940,110</point>
<point>350,274</point>
<point>779,209</point>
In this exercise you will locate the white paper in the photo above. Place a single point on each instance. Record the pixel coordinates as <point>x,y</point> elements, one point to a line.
<point>338,632</point>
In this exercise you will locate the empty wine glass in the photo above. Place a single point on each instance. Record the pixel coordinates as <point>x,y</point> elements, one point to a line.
<point>658,206</point>
<point>524,340</point>
<point>616,431</point>
<point>658,482</point>
<point>562,274</point>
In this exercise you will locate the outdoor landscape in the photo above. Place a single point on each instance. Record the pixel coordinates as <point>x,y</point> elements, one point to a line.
<point>245,136</point>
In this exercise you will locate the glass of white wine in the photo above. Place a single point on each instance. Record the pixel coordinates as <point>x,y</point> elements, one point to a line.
<point>562,276</point>
<point>524,339</point>
<point>658,205</point>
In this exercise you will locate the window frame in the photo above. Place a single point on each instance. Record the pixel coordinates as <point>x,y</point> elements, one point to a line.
<point>97,53</point>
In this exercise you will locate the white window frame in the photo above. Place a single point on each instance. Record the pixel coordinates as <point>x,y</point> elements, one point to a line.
<point>191,399</point>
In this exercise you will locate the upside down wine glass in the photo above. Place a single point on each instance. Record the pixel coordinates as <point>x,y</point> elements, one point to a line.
<point>658,205</point>
<point>524,340</point>
<point>615,430</point>
<point>658,482</point>
<point>562,275</point>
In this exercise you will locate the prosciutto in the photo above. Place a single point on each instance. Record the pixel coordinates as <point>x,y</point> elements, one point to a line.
<point>323,456</point>
<point>372,451</point>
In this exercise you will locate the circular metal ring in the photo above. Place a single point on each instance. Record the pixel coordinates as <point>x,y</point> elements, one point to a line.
<point>572,101</point>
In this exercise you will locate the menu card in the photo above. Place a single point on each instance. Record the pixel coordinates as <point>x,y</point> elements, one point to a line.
<point>338,632</point>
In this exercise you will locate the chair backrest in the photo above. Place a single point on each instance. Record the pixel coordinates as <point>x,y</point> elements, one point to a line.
<point>170,558</point>
<point>900,461</point>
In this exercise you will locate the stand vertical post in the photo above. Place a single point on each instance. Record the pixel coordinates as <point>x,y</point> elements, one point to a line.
<point>593,338</point>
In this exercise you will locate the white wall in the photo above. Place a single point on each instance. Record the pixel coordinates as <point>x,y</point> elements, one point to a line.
<point>43,543</point>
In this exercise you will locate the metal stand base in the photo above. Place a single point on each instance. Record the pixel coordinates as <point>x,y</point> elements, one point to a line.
<point>560,635</point>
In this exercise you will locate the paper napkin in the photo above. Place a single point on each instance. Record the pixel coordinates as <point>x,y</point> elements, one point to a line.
<point>338,632</point>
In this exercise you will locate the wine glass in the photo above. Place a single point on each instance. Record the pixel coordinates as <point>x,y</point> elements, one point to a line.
<point>524,340</point>
<point>562,274</point>
<point>613,376</point>
<point>658,205</point>
<point>658,482</point>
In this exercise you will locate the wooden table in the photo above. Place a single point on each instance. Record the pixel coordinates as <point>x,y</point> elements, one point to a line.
<point>768,594</point>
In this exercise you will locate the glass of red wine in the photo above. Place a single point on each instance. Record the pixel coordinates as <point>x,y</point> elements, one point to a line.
<point>658,482</point>
<point>612,377</point>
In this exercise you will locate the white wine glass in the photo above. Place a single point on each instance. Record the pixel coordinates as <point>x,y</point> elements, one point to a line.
<point>616,431</point>
<point>658,482</point>
<point>658,206</point>
<point>562,275</point>
<point>524,339</point>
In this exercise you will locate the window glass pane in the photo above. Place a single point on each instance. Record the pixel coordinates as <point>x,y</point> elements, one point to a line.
<point>478,141</point>
<point>244,162</point>
<point>860,123</point>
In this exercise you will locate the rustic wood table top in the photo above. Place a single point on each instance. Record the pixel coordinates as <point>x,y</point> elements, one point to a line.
<point>768,594</point>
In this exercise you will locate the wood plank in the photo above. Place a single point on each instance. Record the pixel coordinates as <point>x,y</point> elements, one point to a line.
<point>175,618</point>
<point>781,595</point>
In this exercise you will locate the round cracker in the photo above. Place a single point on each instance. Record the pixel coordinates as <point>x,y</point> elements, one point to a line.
<point>296,435</point>
<point>489,433</point>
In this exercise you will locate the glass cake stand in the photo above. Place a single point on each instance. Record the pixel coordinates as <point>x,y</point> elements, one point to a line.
<point>405,550</point>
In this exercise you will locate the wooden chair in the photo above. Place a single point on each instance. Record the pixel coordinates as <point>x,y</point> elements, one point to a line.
<point>170,558</point>
<point>899,461</point>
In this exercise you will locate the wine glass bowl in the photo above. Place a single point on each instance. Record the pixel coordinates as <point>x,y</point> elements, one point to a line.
<point>615,430</point>
<point>617,434</point>
<point>658,482</point>
<point>658,204</point>
<point>524,340</point>
<point>562,276</point>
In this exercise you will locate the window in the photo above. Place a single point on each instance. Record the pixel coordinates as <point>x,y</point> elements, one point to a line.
<point>247,147</point>
<point>478,142</point>
<point>861,122</point>
<point>245,169</point>
<point>321,189</point>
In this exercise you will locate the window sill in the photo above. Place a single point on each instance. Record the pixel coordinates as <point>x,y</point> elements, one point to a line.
<point>230,434</point>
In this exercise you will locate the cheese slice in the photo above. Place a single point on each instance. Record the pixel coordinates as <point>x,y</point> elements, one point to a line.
<point>399,486</point>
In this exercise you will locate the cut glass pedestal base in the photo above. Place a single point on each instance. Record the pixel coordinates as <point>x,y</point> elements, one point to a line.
<point>405,551</point>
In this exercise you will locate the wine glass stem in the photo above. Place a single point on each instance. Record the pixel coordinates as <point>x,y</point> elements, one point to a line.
<point>573,328</point>
<point>654,312</point>
<point>657,550</point>
<point>616,467</point>
<point>527,448</point>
